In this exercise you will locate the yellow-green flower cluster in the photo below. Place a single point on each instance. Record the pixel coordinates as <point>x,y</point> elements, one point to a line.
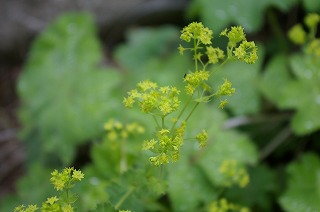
<point>51,205</point>
<point>22,208</point>
<point>153,99</point>
<point>166,146</point>
<point>314,47</point>
<point>223,205</point>
<point>223,103</point>
<point>234,173</point>
<point>66,178</point>
<point>63,180</point>
<point>246,51</point>
<point>312,20</point>
<point>235,35</point>
<point>299,36</point>
<point>226,89</point>
<point>196,79</point>
<point>196,31</point>
<point>214,54</point>
<point>116,129</point>
<point>202,138</point>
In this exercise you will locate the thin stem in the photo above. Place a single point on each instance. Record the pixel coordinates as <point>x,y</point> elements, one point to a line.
<point>162,122</point>
<point>220,66</point>
<point>195,54</point>
<point>161,172</point>
<point>123,161</point>
<point>67,194</point>
<point>156,121</point>
<point>195,106</point>
<point>181,112</point>
<point>123,198</point>
<point>280,138</point>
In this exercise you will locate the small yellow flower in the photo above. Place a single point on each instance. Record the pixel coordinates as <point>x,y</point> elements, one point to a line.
<point>297,34</point>
<point>67,208</point>
<point>311,20</point>
<point>19,208</point>
<point>202,138</point>
<point>52,200</point>
<point>181,49</point>
<point>31,208</point>
<point>77,175</point>
<point>226,89</point>
<point>247,52</point>
<point>148,144</point>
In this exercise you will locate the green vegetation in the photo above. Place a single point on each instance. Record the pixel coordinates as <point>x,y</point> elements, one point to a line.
<point>186,122</point>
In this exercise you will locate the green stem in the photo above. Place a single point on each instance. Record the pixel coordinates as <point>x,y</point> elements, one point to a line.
<point>123,161</point>
<point>195,106</point>
<point>123,198</point>
<point>220,66</point>
<point>181,112</point>
<point>156,121</point>
<point>67,194</point>
<point>161,172</point>
<point>195,54</point>
<point>162,122</point>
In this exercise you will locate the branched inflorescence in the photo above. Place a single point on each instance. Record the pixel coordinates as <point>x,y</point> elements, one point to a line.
<point>161,102</point>
<point>299,36</point>
<point>62,181</point>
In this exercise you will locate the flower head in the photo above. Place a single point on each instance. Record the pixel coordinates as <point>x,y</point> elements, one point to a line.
<point>196,31</point>
<point>297,34</point>
<point>226,89</point>
<point>235,35</point>
<point>214,54</point>
<point>311,20</point>
<point>202,138</point>
<point>77,175</point>
<point>247,52</point>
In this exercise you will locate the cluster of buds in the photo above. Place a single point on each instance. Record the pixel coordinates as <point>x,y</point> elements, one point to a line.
<point>223,205</point>
<point>299,36</point>
<point>153,99</point>
<point>162,101</point>
<point>238,46</point>
<point>234,173</point>
<point>116,129</point>
<point>62,181</point>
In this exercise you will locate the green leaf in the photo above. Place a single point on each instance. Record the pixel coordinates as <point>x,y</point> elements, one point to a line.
<point>66,94</point>
<point>105,207</point>
<point>303,192</point>
<point>274,77</point>
<point>311,5</point>
<point>259,192</point>
<point>146,43</point>
<point>92,191</point>
<point>218,14</point>
<point>36,180</point>
<point>136,190</point>
<point>226,145</point>
<point>197,171</point>
<point>301,93</point>
<point>244,78</point>
<point>188,186</point>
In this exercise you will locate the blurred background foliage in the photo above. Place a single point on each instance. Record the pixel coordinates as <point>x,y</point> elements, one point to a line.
<point>67,91</point>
